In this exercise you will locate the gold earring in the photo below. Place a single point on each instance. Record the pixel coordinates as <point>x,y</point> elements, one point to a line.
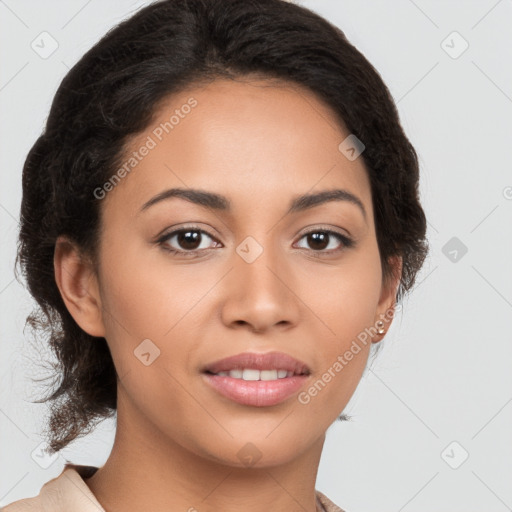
<point>380,327</point>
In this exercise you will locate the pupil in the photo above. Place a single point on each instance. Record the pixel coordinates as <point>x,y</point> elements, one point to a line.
<point>316,237</point>
<point>186,238</point>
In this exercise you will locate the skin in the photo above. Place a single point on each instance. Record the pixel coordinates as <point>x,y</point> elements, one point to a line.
<point>260,144</point>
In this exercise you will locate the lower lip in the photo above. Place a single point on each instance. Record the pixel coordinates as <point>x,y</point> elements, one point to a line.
<point>258,393</point>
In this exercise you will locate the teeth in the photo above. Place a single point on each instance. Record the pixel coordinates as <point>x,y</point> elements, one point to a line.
<point>252,374</point>
<point>268,374</point>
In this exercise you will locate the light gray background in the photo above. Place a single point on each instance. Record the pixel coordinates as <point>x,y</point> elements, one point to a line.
<point>443,374</point>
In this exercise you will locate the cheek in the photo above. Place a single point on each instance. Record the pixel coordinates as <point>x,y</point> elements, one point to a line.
<point>144,296</point>
<point>146,315</point>
<point>152,319</point>
<point>346,301</point>
<point>346,297</point>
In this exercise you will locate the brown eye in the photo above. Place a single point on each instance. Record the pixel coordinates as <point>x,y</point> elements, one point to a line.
<point>320,239</point>
<point>186,240</point>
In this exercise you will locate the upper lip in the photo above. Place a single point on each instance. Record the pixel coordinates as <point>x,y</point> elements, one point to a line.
<point>257,361</point>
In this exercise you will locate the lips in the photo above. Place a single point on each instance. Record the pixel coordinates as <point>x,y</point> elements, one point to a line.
<point>257,379</point>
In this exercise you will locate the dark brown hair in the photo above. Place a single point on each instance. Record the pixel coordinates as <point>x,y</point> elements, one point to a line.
<point>113,92</point>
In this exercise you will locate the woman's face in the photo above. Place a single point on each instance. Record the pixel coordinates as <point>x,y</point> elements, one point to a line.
<point>249,278</point>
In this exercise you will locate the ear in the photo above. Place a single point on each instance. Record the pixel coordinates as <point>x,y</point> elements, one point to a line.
<point>387,301</point>
<point>78,285</point>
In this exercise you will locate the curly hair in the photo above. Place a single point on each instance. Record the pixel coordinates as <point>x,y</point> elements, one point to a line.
<point>112,94</point>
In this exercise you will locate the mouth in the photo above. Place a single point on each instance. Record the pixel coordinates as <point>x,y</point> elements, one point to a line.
<point>257,379</point>
<point>253,374</point>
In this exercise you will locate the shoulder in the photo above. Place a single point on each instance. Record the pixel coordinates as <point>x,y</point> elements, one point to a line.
<point>326,504</point>
<point>25,505</point>
<point>66,492</point>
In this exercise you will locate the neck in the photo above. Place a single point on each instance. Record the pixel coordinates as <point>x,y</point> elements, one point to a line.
<point>148,471</point>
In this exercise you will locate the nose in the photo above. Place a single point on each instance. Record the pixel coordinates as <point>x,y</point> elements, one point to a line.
<point>262,294</point>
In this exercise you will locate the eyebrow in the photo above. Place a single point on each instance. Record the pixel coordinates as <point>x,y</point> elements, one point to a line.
<point>222,203</point>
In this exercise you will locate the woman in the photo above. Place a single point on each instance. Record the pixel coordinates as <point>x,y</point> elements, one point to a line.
<point>217,223</point>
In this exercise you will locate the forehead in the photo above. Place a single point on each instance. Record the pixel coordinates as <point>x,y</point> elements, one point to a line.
<point>249,139</point>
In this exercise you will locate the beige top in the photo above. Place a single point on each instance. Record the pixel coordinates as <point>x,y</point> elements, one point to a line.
<point>69,493</point>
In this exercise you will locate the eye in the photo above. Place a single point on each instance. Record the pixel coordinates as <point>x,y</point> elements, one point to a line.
<point>189,241</point>
<point>320,239</point>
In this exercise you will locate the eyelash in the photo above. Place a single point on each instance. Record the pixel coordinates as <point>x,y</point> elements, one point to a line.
<point>346,241</point>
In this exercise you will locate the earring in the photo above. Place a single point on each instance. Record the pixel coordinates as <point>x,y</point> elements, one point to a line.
<point>380,327</point>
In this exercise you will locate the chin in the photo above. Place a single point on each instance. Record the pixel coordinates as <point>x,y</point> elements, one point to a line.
<point>257,452</point>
